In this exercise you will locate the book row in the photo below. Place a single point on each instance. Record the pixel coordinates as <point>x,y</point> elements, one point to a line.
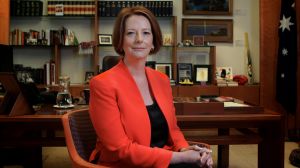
<point>86,8</point>
<point>26,8</point>
<point>112,8</point>
<point>71,8</point>
<point>48,37</point>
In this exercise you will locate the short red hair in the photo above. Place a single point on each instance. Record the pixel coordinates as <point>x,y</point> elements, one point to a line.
<point>119,28</point>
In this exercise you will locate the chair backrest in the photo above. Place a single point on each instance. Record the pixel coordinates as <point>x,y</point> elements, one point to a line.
<point>80,138</point>
<point>110,61</point>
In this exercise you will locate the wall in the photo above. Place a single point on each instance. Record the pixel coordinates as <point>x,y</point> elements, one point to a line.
<point>245,17</point>
<point>4,21</point>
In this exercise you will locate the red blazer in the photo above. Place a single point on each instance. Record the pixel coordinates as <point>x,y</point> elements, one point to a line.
<point>121,120</point>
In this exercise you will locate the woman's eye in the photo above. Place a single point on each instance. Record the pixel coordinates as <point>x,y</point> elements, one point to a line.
<point>130,33</point>
<point>147,33</point>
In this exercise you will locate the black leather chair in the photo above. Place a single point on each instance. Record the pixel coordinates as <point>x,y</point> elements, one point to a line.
<point>109,61</point>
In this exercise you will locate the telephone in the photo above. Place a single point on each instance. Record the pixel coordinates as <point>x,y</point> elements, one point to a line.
<point>241,79</point>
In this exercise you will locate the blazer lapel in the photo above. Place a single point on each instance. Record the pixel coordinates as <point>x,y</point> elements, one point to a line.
<point>141,128</point>
<point>159,91</point>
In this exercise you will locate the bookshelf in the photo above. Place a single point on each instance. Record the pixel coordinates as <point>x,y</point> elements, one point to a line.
<point>80,24</point>
<point>87,28</point>
<point>65,57</point>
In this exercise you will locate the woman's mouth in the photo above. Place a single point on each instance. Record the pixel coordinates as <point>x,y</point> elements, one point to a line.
<point>138,48</point>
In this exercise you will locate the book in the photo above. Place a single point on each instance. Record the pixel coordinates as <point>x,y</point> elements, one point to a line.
<point>224,82</point>
<point>59,9</point>
<point>232,83</point>
<point>52,73</point>
<point>221,82</point>
<point>224,99</point>
<point>234,104</point>
<point>47,73</point>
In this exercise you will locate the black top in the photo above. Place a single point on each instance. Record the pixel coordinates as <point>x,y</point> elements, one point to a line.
<point>159,126</point>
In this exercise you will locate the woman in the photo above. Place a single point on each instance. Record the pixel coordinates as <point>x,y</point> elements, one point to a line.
<point>131,106</point>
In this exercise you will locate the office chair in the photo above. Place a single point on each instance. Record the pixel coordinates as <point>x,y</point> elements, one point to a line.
<point>80,138</point>
<point>109,61</point>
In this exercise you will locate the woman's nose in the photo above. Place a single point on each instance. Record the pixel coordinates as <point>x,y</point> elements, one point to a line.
<point>139,38</point>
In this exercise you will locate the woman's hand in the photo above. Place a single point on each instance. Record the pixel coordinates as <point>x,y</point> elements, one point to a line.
<point>205,155</point>
<point>206,160</point>
<point>188,156</point>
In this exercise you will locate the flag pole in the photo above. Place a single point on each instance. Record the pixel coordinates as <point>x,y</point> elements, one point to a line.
<point>248,60</point>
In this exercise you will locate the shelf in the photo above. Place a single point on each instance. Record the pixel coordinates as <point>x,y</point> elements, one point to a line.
<point>166,46</point>
<point>195,49</point>
<point>113,17</point>
<point>247,93</point>
<point>42,46</point>
<point>46,17</point>
<point>204,46</point>
<point>31,46</point>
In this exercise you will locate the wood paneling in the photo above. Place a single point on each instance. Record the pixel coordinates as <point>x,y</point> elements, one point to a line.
<point>249,94</point>
<point>4,21</point>
<point>269,22</point>
<point>195,91</point>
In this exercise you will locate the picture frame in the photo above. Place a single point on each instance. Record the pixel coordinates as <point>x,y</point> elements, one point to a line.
<point>105,39</point>
<point>167,40</point>
<point>88,76</point>
<point>202,74</point>
<point>224,73</point>
<point>16,100</point>
<point>184,71</point>
<point>165,68</point>
<point>213,30</point>
<point>207,7</point>
<point>198,40</point>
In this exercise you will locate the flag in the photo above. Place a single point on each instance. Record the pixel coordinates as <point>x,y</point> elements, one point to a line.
<point>286,77</point>
<point>248,60</point>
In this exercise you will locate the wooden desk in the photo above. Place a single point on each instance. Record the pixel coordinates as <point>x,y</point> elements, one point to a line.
<point>22,137</point>
<point>37,131</point>
<point>270,138</point>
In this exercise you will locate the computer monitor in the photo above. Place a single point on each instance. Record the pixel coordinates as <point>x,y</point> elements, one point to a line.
<point>14,102</point>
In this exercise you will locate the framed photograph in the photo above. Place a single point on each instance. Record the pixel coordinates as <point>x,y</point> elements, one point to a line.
<point>198,40</point>
<point>202,74</point>
<point>167,40</point>
<point>224,73</point>
<point>207,7</point>
<point>88,76</point>
<point>165,68</point>
<point>184,71</point>
<point>213,30</point>
<point>105,39</point>
<point>17,99</point>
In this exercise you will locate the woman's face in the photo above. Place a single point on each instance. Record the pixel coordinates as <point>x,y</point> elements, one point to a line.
<point>138,37</point>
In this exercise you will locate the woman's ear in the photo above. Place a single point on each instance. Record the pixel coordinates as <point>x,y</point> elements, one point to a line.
<point>152,49</point>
